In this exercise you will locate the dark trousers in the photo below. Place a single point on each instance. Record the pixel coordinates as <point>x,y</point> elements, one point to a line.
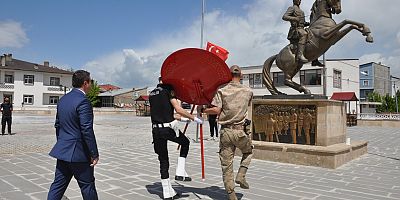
<point>82,172</point>
<point>4,120</point>
<point>160,138</point>
<point>213,126</point>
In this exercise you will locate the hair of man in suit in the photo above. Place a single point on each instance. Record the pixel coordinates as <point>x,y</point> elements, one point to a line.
<point>79,77</point>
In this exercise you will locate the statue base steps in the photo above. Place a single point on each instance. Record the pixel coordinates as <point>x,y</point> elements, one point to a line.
<point>332,156</point>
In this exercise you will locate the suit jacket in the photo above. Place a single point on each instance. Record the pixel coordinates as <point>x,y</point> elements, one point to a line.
<point>76,141</point>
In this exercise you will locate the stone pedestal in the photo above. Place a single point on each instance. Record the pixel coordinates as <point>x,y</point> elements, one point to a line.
<point>328,148</point>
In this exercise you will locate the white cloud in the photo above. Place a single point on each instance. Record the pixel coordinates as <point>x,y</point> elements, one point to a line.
<point>253,37</point>
<point>126,68</point>
<point>398,37</point>
<point>12,35</point>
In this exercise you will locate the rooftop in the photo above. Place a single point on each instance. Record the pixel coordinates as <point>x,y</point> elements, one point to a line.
<point>15,64</point>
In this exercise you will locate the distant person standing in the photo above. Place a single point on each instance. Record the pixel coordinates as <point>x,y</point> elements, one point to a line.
<point>212,120</point>
<point>76,148</point>
<point>6,110</point>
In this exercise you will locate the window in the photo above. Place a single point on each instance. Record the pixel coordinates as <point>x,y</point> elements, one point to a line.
<point>54,81</point>
<point>9,78</point>
<point>337,79</point>
<point>310,77</point>
<point>258,80</point>
<point>245,77</point>
<point>255,80</point>
<point>28,99</point>
<point>279,79</point>
<point>53,99</point>
<point>365,82</point>
<point>251,80</point>
<point>29,79</point>
<point>365,73</point>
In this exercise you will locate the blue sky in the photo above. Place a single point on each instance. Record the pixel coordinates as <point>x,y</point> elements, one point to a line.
<point>124,42</point>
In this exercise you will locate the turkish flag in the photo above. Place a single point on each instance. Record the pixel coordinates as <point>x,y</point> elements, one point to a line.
<point>217,50</point>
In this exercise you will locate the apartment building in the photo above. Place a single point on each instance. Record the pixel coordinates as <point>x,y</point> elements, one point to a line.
<point>31,85</point>
<point>374,77</point>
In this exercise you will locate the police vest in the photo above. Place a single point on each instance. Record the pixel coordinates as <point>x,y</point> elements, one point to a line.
<point>161,109</point>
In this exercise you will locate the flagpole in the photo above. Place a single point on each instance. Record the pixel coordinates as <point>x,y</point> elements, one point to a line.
<point>199,108</point>
<point>202,23</point>
<point>201,47</point>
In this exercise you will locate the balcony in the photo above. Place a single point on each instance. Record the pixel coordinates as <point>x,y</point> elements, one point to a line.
<point>6,86</point>
<point>57,89</point>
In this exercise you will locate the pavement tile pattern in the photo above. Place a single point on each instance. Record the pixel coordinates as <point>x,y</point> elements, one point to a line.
<point>129,168</point>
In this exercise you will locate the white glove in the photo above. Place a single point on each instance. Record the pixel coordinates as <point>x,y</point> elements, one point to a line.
<point>174,125</point>
<point>185,119</point>
<point>198,120</point>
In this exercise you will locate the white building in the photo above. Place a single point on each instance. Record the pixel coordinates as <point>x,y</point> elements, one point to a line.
<point>342,75</point>
<point>31,85</point>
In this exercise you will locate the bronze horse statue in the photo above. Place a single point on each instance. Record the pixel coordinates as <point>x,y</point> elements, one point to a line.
<point>323,32</point>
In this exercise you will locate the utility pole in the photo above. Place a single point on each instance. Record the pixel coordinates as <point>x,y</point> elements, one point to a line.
<point>395,92</point>
<point>324,75</point>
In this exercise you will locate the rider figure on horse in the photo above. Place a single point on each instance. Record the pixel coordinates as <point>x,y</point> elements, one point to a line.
<point>297,34</point>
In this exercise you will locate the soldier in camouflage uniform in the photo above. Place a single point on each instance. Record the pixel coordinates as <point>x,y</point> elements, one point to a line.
<point>231,104</point>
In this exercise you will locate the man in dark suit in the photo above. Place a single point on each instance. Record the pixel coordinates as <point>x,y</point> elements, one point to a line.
<point>76,148</point>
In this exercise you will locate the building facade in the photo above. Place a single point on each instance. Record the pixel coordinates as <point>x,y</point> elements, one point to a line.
<point>30,85</point>
<point>342,75</point>
<point>374,77</point>
<point>121,97</point>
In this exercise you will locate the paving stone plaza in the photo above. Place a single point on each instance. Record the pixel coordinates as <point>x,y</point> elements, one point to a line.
<point>129,168</point>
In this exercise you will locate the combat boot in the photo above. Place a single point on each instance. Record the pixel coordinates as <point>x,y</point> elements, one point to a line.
<point>232,196</point>
<point>241,178</point>
<point>300,54</point>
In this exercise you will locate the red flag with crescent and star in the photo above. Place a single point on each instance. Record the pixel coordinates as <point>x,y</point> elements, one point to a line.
<point>217,50</point>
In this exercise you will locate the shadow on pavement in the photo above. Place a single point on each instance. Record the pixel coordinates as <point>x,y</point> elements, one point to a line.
<point>212,192</point>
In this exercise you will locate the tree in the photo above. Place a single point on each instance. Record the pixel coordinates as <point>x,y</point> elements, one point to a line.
<point>388,102</point>
<point>376,97</point>
<point>93,93</point>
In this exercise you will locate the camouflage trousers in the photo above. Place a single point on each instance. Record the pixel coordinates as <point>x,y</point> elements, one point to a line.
<point>230,139</point>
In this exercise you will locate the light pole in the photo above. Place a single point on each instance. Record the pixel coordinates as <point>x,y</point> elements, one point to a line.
<point>395,92</point>
<point>324,75</point>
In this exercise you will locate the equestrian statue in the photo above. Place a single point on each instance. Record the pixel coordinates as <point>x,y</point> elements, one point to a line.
<point>308,44</point>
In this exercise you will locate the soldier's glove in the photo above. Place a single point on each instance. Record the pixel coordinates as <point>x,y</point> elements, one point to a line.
<point>198,120</point>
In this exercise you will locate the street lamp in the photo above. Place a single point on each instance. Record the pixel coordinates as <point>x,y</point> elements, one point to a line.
<point>395,92</point>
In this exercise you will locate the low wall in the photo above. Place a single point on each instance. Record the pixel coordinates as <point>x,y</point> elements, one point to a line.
<point>52,111</point>
<point>380,123</point>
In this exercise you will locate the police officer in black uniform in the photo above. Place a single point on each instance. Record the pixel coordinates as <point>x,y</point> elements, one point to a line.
<point>6,110</point>
<point>162,105</point>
